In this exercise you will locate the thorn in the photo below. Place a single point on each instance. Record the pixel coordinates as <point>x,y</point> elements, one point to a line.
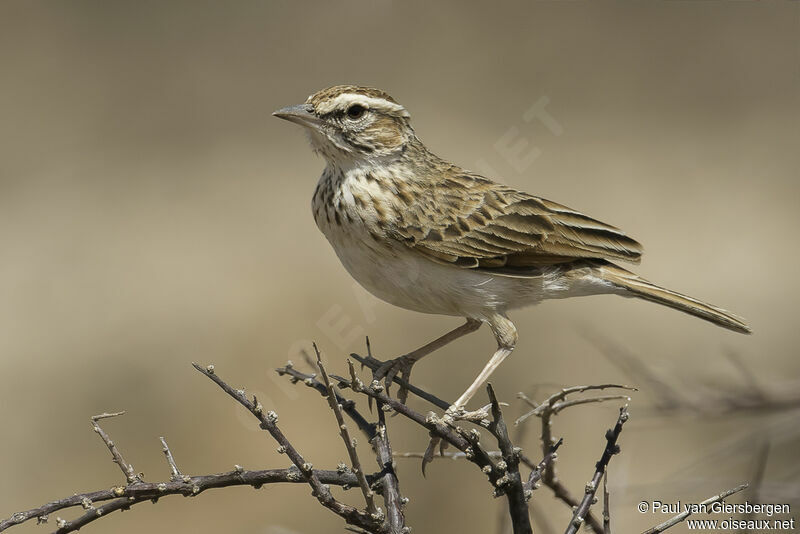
<point>106,415</point>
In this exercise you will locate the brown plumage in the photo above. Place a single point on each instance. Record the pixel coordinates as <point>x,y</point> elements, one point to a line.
<point>427,235</point>
<point>493,226</point>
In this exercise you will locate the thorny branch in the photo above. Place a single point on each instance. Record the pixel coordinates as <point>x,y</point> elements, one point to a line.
<point>536,474</point>
<point>514,488</point>
<point>127,469</point>
<point>499,473</point>
<point>686,513</point>
<point>557,402</point>
<point>349,443</point>
<point>502,467</point>
<point>176,473</point>
<point>546,411</point>
<point>310,380</point>
<point>600,469</point>
<point>353,516</point>
<point>188,486</point>
<point>348,406</point>
<point>392,498</point>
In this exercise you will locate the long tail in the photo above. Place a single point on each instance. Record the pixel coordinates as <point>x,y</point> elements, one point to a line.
<point>641,288</point>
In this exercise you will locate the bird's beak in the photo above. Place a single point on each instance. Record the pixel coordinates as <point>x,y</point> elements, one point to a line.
<point>302,114</point>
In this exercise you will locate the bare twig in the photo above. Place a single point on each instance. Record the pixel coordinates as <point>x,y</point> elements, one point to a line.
<point>349,443</point>
<point>187,486</point>
<point>392,498</point>
<point>127,469</point>
<point>376,391</point>
<point>545,411</point>
<point>501,466</point>
<point>536,474</point>
<point>466,442</point>
<point>503,516</point>
<point>321,491</point>
<point>348,406</point>
<point>554,403</point>
<point>176,473</point>
<point>563,494</point>
<point>453,455</point>
<point>458,455</point>
<point>511,482</point>
<point>559,406</point>
<point>549,476</point>
<point>600,468</point>
<point>686,513</point>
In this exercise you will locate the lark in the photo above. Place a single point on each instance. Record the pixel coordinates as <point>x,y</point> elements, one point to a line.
<point>424,234</point>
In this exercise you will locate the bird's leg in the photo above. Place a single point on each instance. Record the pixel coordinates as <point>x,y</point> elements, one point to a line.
<point>494,362</point>
<point>403,364</point>
<point>506,335</point>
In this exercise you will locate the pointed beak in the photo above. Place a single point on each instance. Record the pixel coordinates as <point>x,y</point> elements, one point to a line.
<point>302,114</point>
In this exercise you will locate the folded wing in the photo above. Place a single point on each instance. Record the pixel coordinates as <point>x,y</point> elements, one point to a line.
<point>469,221</point>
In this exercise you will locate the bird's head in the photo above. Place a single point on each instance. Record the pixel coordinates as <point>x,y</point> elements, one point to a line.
<point>348,124</point>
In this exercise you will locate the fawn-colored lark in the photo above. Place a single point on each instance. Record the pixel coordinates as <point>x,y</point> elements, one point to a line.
<point>424,234</point>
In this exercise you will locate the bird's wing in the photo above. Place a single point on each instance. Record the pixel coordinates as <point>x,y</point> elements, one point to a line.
<point>469,221</point>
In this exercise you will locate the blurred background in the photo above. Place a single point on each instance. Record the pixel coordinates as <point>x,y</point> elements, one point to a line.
<point>153,213</point>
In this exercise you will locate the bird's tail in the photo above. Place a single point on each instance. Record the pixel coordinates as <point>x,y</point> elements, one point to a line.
<point>641,288</point>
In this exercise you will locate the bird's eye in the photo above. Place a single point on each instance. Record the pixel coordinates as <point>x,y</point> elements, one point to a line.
<point>356,111</point>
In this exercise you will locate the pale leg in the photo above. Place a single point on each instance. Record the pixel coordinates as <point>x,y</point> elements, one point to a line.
<point>495,361</point>
<point>506,335</point>
<point>404,363</point>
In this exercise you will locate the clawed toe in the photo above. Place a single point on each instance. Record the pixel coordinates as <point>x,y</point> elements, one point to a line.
<point>455,413</point>
<point>451,415</point>
<point>435,441</point>
<point>478,417</point>
<point>390,369</point>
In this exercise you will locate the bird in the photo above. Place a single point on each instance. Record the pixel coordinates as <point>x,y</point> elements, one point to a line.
<point>427,235</point>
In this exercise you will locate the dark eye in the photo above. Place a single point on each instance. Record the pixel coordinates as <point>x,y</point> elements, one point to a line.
<point>356,111</point>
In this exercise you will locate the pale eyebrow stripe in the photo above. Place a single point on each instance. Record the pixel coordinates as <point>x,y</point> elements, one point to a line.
<point>347,99</point>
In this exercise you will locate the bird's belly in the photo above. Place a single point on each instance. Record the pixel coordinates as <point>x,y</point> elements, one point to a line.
<point>398,275</point>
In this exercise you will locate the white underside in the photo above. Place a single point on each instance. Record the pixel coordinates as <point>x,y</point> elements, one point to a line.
<point>403,277</point>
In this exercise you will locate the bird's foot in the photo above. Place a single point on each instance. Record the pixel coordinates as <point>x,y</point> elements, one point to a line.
<point>478,417</point>
<point>390,369</point>
<point>452,415</point>
<point>435,442</point>
<point>458,413</point>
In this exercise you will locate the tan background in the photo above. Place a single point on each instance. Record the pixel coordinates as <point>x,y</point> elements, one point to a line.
<point>153,213</point>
